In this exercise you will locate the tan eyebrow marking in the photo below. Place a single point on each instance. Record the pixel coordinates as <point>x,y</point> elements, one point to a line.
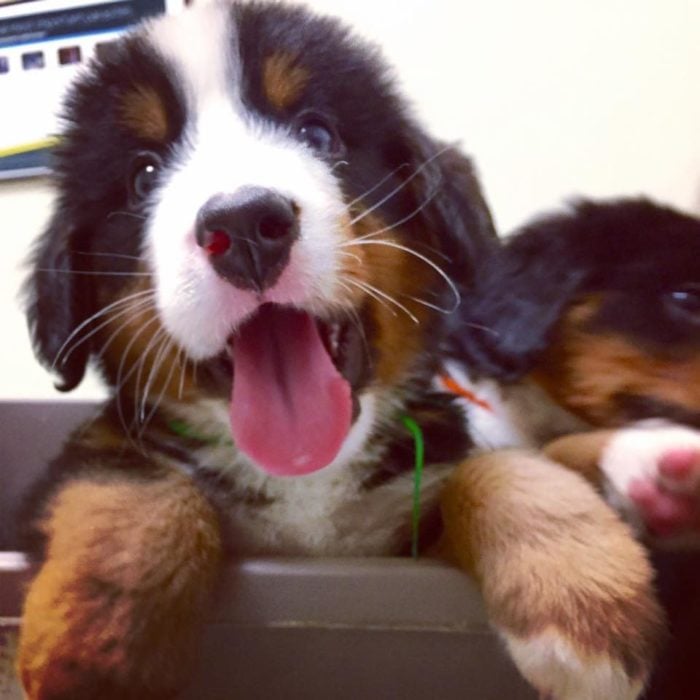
<point>283,79</point>
<point>144,113</point>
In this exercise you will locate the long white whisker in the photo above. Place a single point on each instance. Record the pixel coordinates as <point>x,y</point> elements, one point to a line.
<point>130,309</point>
<point>121,382</point>
<point>426,260</point>
<point>120,256</point>
<point>120,328</point>
<point>131,214</point>
<point>155,368</point>
<point>378,185</point>
<point>399,187</point>
<point>344,284</point>
<point>121,378</point>
<point>182,361</point>
<point>371,288</point>
<point>371,293</point>
<point>480,327</point>
<point>435,307</point>
<point>125,301</point>
<point>357,321</point>
<point>158,336</point>
<point>94,273</point>
<point>159,399</point>
<point>351,255</point>
<point>338,163</point>
<point>392,226</point>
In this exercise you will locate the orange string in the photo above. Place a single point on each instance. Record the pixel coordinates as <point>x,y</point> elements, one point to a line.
<point>456,388</point>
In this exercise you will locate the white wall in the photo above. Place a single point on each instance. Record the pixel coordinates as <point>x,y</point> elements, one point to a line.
<point>597,97</point>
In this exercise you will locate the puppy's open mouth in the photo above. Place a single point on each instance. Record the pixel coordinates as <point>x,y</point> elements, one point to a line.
<point>292,399</point>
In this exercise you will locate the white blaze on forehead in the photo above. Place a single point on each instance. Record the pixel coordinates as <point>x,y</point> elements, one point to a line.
<point>199,45</point>
<point>227,146</point>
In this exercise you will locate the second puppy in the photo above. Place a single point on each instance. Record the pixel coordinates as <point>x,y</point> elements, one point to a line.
<point>599,307</point>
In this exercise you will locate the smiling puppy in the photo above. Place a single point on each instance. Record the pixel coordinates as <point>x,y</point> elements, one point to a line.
<point>253,243</point>
<point>258,248</point>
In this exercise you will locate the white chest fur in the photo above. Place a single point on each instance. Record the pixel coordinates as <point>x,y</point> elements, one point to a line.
<point>329,512</point>
<point>517,415</point>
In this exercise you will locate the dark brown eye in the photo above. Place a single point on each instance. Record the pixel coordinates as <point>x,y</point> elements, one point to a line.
<point>145,170</point>
<point>684,302</point>
<point>317,132</point>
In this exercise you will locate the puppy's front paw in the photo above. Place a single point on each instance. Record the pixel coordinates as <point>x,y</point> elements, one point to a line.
<point>562,672</point>
<point>565,583</point>
<point>114,610</point>
<point>653,475</point>
<point>84,640</point>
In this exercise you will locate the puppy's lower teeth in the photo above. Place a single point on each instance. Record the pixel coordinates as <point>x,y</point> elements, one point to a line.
<point>335,338</point>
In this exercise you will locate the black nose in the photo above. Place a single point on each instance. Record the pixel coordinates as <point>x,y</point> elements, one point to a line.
<point>248,235</point>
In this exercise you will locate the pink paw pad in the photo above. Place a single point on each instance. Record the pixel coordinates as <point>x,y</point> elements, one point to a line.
<point>680,469</point>
<point>670,502</point>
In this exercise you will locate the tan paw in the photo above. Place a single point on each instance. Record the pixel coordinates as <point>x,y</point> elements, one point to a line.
<point>113,612</point>
<point>564,580</point>
<point>561,672</point>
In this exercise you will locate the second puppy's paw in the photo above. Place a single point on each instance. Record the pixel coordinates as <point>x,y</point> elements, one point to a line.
<point>653,474</point>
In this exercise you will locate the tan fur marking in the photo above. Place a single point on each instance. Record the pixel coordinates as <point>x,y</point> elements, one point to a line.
<point>581,453</point>
<point>143,112</point>
<point>283,79</point>
<point>584,370</point>
<point>551,555</point>
<point>102,434</point>
<point>119,554</point>
<point>392,274</point>
<point>137,340</point>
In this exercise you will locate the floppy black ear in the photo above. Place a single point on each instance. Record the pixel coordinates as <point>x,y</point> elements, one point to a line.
<point>56,302</point>
<point>520,293</point>
<point>455,207</point>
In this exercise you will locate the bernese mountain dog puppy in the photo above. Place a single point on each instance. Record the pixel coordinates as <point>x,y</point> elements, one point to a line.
<point>599,307</point>
<point>260,249</point>
<point>582,337</point>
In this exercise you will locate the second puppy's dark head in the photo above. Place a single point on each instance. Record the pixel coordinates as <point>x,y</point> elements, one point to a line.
<point>602,304</point>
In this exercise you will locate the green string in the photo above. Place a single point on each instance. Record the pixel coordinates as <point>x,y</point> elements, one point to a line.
<point>419,447</point>
<point>184,430</point>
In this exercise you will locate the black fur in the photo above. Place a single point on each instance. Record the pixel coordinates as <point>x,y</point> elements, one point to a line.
<point>636,251</point>
<point>95,252</point>
<point>93,243</point>
<point>94,215</point>
<point>97,214</point>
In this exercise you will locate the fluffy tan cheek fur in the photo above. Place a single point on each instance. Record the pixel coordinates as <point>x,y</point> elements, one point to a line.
<point>140,355</point>
<point>565,582</point>
<point>585,371</point>
<point>388,279</point>
<point>128,571</point>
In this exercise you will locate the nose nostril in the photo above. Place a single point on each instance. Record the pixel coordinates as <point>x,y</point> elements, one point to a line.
<point>248,236</point>
<point>218,242</point>
<point>273,228</point>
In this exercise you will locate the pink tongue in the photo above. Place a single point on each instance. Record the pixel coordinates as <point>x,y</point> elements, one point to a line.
<point>290,407</point>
